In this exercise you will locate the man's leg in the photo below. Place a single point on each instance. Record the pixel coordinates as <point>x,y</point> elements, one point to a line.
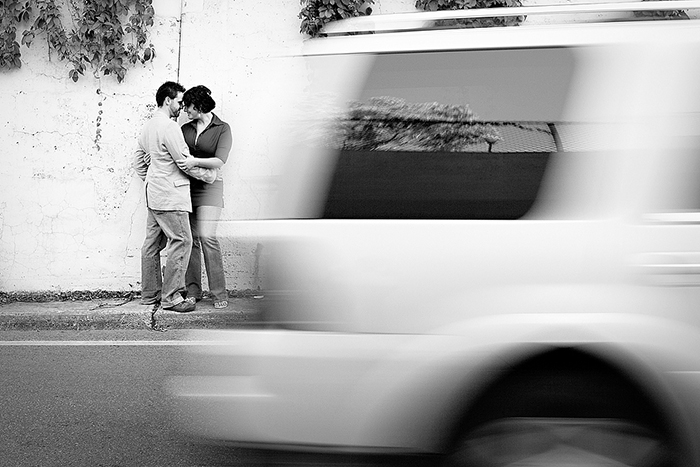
<point>151,279</point>
<point>176,226</point>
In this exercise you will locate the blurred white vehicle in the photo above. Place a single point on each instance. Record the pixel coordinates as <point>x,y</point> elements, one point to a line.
<point>486,250</point>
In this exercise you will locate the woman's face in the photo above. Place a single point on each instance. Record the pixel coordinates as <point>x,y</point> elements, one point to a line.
<point>192,112</point>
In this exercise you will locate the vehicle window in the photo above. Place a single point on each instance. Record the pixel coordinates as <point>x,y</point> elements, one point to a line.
<point>452,135</point>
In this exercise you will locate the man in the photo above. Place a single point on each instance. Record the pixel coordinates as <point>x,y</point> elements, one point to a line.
<point>160,146</point>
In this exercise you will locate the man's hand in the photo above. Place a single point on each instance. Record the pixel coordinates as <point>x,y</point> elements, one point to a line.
<point>187,163</point>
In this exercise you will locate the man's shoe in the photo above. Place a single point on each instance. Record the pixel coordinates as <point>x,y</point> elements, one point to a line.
<point>184,306</point>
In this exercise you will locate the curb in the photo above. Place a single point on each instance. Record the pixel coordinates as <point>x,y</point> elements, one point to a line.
<point>124,314</point>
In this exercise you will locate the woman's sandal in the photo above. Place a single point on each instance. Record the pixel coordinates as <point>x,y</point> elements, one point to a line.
<point>221,304</point>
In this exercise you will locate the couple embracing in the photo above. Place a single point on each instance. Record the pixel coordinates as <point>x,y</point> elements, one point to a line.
<point>184,197</point>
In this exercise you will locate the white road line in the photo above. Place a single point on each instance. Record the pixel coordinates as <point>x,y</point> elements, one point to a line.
<point>107,343</point>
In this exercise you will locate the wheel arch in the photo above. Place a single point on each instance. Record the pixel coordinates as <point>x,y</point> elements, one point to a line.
<point>647,398</point>
<point>427,410</point>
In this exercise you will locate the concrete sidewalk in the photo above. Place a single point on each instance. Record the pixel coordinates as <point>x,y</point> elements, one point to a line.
<point>116,313</point>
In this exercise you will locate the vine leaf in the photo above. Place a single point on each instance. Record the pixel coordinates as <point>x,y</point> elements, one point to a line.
<point>315,13</point>
<point>108,34</point>
<point>438,5</point>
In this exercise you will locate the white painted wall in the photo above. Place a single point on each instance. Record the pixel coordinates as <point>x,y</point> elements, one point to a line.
<point>72,215</point>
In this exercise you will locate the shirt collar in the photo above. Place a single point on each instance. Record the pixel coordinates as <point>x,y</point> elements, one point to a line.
<point>215,120</point>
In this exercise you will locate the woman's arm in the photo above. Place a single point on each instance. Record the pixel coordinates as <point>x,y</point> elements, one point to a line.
<point>209,162</point>
<point>223,147</point>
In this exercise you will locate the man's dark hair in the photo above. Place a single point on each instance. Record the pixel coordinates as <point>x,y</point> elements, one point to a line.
<point>168,89</point>
<point>200,98</point>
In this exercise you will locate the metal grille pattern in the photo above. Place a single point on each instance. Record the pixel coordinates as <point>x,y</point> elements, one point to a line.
<point>542,137</point>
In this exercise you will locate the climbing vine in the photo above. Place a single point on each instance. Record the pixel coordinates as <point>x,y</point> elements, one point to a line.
<point>671,14</point>
<point>105,35</point>
<point>315,13</point>
<point>436,5</point>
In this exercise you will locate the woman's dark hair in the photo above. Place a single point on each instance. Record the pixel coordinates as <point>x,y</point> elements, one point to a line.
<point>200,98</point>
<point>168,89</point>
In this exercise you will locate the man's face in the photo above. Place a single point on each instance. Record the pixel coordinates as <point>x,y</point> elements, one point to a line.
<point>175,105</point>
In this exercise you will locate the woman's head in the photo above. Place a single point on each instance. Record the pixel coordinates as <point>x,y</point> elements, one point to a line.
<point>199,97</point>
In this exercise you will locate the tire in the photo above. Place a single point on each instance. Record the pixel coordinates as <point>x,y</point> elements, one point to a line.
<point>560,442</point>
<point>563,408</point>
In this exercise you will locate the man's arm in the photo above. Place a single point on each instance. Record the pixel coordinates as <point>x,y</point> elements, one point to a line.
<point>141,161</point>
<point>177,147</point>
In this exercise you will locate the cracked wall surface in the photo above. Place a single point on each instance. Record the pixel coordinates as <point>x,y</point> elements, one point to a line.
<point>72,216</point>
<point>72,213</point>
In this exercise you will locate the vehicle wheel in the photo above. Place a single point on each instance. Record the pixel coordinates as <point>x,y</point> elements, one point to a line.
<point>560,442</point>
<point>564,408</point>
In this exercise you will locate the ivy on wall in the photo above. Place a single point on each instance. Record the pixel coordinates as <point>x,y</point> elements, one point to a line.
<point>315,13</point>
<point>106,35</point>
<point>437,5</point>
<point>671,14</point>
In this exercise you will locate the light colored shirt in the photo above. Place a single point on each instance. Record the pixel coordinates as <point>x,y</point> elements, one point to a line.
<point>161,144</point>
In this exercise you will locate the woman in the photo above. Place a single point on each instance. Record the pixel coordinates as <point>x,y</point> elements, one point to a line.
<point>209,140</point>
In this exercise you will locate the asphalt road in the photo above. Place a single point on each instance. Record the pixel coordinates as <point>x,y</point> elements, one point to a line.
<point>101,402</point>
<point>98,399</point>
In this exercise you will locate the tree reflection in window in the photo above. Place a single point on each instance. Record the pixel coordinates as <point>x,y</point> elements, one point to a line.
<point>392,124</point>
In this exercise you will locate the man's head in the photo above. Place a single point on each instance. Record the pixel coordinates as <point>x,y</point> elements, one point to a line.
<point>169,97</point>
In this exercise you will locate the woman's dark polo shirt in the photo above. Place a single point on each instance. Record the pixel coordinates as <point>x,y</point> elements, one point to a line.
<point>215,141</point>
